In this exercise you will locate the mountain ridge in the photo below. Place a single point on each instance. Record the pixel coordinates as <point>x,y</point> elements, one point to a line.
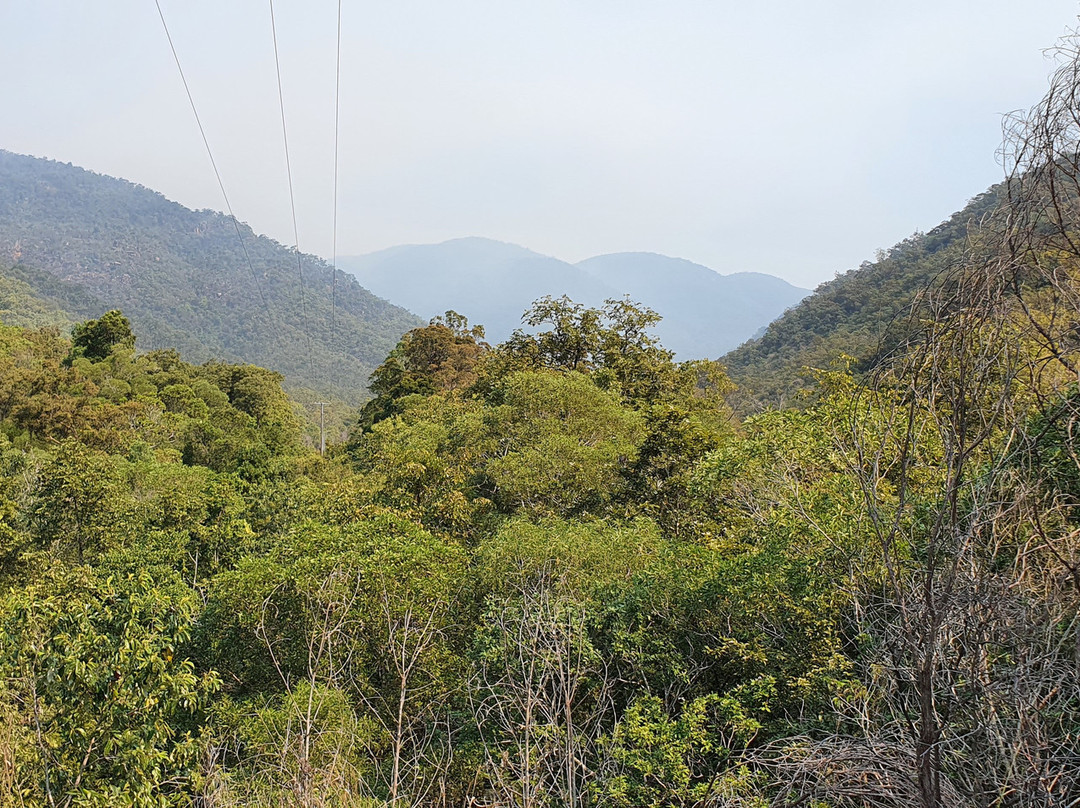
<point>460,273</point>
<point>88,242</point>
<point>851,315</point>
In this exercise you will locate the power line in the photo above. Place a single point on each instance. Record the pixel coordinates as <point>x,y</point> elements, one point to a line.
<point>333,260</point>
<point>213,163</point>
<point>288,163</point>
<point>292,196</point>
<point>337,118</point>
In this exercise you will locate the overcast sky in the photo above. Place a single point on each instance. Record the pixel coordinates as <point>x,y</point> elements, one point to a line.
<point>794,138</point>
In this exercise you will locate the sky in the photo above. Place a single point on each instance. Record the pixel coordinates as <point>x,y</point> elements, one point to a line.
<point>792,138</point>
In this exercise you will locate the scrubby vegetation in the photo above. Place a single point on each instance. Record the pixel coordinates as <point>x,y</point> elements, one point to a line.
<point>555,572</point>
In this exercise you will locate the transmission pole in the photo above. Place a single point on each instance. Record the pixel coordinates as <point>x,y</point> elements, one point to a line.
<point>322,427</point>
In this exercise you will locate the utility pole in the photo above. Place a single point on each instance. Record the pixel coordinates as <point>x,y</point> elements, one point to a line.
<point>322,427</point>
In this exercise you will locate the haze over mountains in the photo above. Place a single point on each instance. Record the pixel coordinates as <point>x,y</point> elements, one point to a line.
<point>492,283</point>
<point>74,244</point>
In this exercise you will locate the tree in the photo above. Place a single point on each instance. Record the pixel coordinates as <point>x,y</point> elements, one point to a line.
<point>96,669</point>
<point>962,661</point>
<point>96,339</point>
<point>355,630</point>
<point>541,698</point>
<point>562,444</point>
<point>572,341</point>
<point>580,338</point>
<point>660,478</point>
<point>426,463</point>
<point>257,392</point>
<point>441,357</point>
<point>658,760</point>
<point>78,503</point>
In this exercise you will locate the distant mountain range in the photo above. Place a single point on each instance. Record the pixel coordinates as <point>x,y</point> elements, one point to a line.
<point>74,244</point>
<point>492,283</point>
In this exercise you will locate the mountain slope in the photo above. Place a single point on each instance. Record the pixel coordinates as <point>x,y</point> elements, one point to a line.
<point>705,313</point>
<point>852,314</point>
<point>86,242</point>
<point>23,305</point>
<point>493,283</point>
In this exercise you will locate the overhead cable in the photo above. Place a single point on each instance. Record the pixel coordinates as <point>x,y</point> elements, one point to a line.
<point>213,162</point>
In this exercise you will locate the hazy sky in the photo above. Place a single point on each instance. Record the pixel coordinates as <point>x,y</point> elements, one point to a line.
<point>794,138</point>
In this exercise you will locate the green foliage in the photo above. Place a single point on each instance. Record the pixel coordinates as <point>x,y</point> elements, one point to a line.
<point>96,670</point>
<point>425,463</point>
<point>21,306</point>
<point>257,393</point>
<point>189,519</point>
<point>860,314</point>
<point>319,581</point>
<point>1053,448</point>
<point>553,443</point>
<point>562,444</point>
<point>11,538</point>
<point>660,479</point>
<point>327,757</point>
<point>664,760</point>
<point>264,613</point>
<point>444,356</point>
<point>556,572</point>
<point>96,339</point>
<point>546,424</point>
<point>584,558</point>
<point>613,343</point>
<point>78,503</point>
<point>571,343</point>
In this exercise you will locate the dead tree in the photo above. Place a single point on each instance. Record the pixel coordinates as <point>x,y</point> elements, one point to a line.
<point>541,699</point>
<point>966,673</point>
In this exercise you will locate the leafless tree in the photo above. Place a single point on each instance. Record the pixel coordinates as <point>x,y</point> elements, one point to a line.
<point>967,681</point>
<point>964,446</point>
<point>541,699</point>
<point>338,737</point>
<point>314,758</point>
<point>412,714</point>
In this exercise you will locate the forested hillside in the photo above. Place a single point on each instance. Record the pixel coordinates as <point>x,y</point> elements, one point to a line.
<point>561,571</point>
<point>84,243</point>
<point>558,572</point>
<point>860,314</point>
<point>21,305</point>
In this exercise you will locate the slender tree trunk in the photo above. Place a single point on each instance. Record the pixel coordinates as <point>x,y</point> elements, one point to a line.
<point>927,746</point>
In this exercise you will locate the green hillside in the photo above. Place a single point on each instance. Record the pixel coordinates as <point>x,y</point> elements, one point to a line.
<point>559,561</point>
<point>21,306</point>
<point>851,315</point>
<point>83,243</point>
<point>561,571</point>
